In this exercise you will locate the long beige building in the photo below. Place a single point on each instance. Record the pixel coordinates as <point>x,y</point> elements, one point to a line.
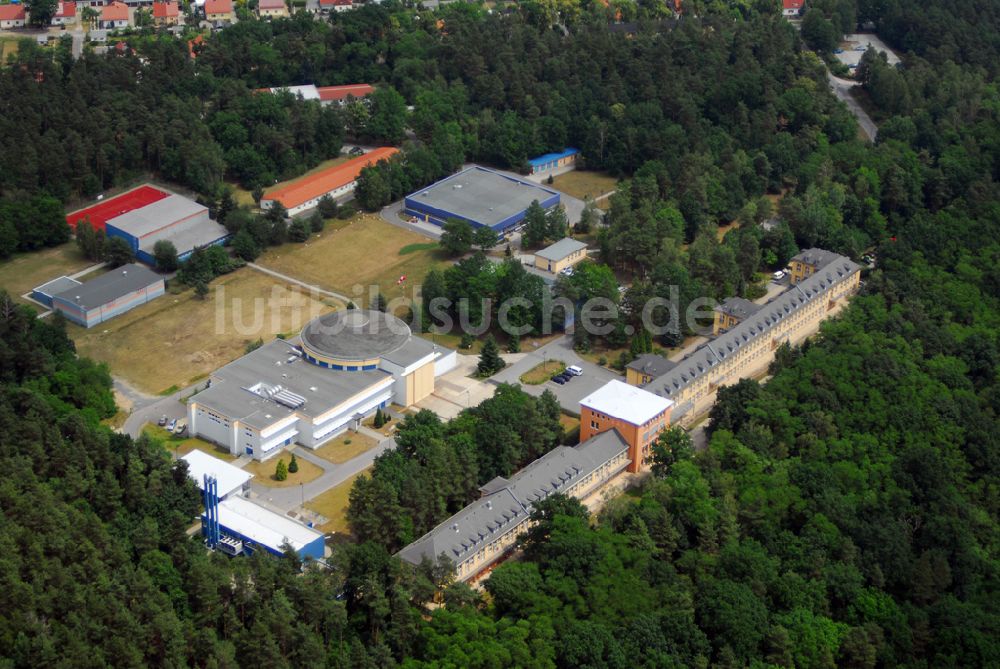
<point>482,533</point>
<point>819,289</point>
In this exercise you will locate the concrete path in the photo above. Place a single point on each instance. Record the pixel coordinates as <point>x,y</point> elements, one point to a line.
<point>287,499</point>
<point>842,89</point>
<point>298,282</point>
<point>390,214</point>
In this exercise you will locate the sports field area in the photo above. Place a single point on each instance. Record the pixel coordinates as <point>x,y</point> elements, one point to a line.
<point>367,251</point>
<point>178,339</point>
<point>24,271</point>
<point>102,212</point>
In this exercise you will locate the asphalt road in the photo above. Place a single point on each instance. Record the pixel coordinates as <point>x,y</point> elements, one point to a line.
<point>842,89</point>
<point>286,499</point>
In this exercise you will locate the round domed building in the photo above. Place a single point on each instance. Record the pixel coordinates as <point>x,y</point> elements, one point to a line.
<point>347,364</point>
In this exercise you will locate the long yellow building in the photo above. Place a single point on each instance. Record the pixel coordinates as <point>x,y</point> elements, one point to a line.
<point>820,285</point>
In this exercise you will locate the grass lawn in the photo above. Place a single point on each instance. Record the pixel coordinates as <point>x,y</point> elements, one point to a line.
<point>263,472</point>
<point>542,372</point>
<point>24,271</point>
<point>8,47</point>
<point>365,252</point>
<point>583,184</point>
<point>242,195</point>
<point>176,340</point>
<point>184,445</point>
<point>339,451</point>
<point>333,506</point>
<point>571,427</point>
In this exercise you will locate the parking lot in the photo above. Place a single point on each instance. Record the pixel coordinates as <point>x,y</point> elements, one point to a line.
<point>574,390</point>
<point>854,46</point>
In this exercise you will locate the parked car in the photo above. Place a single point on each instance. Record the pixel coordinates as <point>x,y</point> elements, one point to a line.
<point>162,421</point>
<point>181,426</point>
<point>567,271</point>
<point>356,151</point>
<point>558,379</point>
<point>573,370</point>
<point>171,425</point>
<point>838,51</point>
<point>779,275</point>
<point>182,430</point>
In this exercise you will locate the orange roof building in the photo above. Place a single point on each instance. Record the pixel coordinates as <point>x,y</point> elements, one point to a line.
<point>114,15</point>
<point>335,182</point>
<point>12,16</point>
<point>341,93</point>
<point>219,10</point>
<point>166,13</point>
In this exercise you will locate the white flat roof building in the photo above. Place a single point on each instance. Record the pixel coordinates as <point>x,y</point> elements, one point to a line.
<point>629,403</point>
<point>266,528</point>
<point>231,479</point>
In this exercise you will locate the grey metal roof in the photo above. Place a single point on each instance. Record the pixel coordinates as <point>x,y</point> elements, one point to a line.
<point>154,216</point>
<point>509,505</point>
<point>701,361</point>
<point>110,286</point>
<point>481,195</point>
<point>278,364</point>
<point>561,249</point>
<point>413,350</point>
<point>356,334</point>
<point>652,364</point>
<point>188,235</point>
<point>738,307</point>
<point>56,286</point>
<point>818,258</point>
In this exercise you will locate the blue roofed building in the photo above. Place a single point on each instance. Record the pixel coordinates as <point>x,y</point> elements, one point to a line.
<point>550,163</point>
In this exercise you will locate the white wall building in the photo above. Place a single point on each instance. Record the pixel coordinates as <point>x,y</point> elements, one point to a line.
<point>348,364</point>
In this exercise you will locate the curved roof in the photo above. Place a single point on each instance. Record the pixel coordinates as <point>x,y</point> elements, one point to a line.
<point>355,334</point>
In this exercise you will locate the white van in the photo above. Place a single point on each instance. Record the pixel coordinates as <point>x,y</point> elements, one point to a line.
<point>574,370</point>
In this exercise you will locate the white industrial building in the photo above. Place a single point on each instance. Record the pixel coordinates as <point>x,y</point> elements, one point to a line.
<point>347,365</point>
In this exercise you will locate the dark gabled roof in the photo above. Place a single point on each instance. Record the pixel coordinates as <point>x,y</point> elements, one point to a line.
<point>511,501</point>
<point>652,364</point>
<point>763,320</point>
<point>738,307</point>
<point>108,287</point>
<point>817,258</point>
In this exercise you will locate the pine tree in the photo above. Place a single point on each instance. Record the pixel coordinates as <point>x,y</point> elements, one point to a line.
<point>293,466</point>
<point>514,344</point>
<point>281,471</point>
<point>490,361</point>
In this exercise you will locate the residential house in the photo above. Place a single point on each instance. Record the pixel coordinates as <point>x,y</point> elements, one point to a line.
<point>327,6</point>
<point>166,13</point>
<point>114,15</point>
<point>65,14</point>
<point>792,8</point>
<point>12,16</point>
<point>271,9</point>
<point>219,12</point>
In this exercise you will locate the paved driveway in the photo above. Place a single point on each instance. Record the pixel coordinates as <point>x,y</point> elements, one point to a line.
<point>569,394</point>
<point>842,89</point>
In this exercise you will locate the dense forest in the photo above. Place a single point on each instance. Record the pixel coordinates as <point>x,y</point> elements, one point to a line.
<point>844,514</point>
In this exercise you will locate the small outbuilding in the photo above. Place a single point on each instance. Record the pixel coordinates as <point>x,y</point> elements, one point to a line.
<point>553,163</point>
<point>45,292</point>
<point>561,255</point>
